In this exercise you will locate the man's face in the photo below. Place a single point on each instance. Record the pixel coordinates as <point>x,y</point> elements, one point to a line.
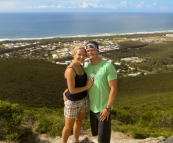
<point>91,53</point>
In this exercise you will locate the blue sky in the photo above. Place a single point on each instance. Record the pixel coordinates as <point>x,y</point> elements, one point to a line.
<point>156,6</point>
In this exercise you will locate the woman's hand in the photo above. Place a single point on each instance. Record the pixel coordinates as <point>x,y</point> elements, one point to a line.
<point>64,97</point>
<point>90,82</point>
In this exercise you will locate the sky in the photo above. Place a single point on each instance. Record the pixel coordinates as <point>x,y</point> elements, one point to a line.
<point>139,6</point>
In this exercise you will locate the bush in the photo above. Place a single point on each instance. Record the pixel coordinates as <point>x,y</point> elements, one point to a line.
<point>49,122</point>
<point>156,119</point>
<point>163,119</point>
<point>44,125</point>
<point>122,116</point>
<point>10,121</point>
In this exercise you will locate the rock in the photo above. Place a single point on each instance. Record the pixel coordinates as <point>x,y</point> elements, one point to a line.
<point>85,139</point>
<point>169,140</point>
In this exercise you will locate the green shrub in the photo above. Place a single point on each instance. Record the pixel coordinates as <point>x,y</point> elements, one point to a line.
<point>122,116</point>
<point>146,119</point>
<point>163,119</point>
<point>49,122</point>
<point>44,125</point>
<point>86,121</point>
<point>156,119</point>
<point>57,127</point>
<point>10,121</point>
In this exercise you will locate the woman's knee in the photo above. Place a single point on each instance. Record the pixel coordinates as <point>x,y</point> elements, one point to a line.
<point>78,121</point>
<point>68,127</point>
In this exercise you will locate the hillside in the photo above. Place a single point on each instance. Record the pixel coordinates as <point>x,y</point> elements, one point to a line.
<point>143,106</point>
<point>36,83</point>
<point>149,91</point>
<point>32,83</point>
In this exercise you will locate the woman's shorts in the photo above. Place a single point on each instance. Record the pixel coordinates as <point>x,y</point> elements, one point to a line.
<point>73,108</point>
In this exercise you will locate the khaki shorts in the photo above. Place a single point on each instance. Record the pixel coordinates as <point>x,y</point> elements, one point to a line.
<point>73,108</point>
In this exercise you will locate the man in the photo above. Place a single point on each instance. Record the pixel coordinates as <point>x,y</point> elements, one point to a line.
<point>102,93</point>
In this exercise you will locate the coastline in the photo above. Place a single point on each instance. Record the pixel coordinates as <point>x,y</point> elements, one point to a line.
<point>83,36</point>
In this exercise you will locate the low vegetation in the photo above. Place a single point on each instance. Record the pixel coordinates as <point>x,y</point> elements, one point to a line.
<point>32,83</point>
<point>31,92</point>
<point>158,57</point>
<point>31,102</point>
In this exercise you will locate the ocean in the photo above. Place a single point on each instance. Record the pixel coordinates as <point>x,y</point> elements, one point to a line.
<point>15,26</point>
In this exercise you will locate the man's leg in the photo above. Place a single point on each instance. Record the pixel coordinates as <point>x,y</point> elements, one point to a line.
<point>94,123</point>
<point>104,131</point>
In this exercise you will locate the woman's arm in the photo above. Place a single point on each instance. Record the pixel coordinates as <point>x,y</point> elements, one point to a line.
<point>64,97</point>
<point>70,76</point>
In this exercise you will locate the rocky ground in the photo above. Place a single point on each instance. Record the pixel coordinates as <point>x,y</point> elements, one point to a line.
<point>116,137</point>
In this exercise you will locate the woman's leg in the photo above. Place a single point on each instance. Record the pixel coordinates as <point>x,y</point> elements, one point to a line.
<point>77,125</point>
<point>67,129</point>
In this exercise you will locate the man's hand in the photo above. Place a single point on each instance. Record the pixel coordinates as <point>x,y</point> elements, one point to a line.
<point>104,115</point>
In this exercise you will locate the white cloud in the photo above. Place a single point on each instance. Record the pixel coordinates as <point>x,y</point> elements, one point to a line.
<point>140,5</point>
<point>45,6</point>
<point>84,5</point>
<point>94,5</point>
<point>41,7</point>
<point>154,4</point>
<point>60,6</point>
<point>8,4</point>
<point>110,6</point>
<point>123,3</point>
<point>151,5</point>
<point>101,5</point>
<point>164,8</point>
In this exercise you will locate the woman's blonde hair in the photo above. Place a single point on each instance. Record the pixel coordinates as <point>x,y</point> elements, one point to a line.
<point>77,47</point>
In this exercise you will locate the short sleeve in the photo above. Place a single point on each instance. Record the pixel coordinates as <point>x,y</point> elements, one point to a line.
<point>111,72</point>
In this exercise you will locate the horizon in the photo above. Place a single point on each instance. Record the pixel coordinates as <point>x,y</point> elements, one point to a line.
<point>128,6</point>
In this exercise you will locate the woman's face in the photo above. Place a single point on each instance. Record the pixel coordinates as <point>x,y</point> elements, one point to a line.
<point>80,55</point>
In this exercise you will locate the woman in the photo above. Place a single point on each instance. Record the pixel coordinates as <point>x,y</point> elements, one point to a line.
<point>76,99</point>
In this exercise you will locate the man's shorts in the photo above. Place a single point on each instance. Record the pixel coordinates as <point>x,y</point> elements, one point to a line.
<point>73,108</point>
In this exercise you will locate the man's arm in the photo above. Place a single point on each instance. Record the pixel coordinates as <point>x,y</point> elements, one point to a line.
<point>113,92</point>
<point>104,114</point>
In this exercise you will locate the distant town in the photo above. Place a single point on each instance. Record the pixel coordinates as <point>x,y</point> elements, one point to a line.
<point>56,52</point>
